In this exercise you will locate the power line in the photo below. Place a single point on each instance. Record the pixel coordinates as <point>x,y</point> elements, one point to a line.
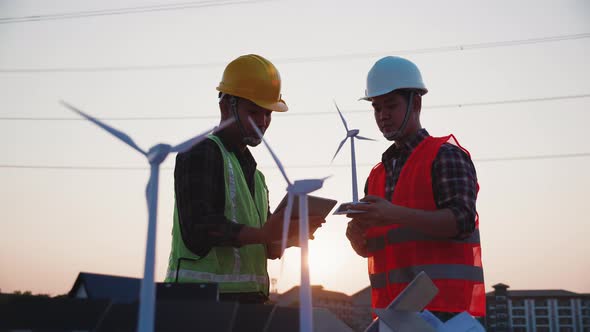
<point>82,168</point>
<point>510,101</point>
<point>320,58</point>
<point>142,168</point>
<point>307,114</point>
<point>126,10</point>
<point>560,156</point>
<point>464,47</point>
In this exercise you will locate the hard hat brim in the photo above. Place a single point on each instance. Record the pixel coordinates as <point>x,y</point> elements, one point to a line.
<point>423,91</point>
<point>275,106</point>
<point>279,106</point>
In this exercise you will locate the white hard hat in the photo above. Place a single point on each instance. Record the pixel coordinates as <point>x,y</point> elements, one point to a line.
<point>392,73</point>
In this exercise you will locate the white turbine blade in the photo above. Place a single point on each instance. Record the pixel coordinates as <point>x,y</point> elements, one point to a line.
<point>276,159</point>
<point>365,138</point>
<point>341,116</point>
<point>189,143</point>
<point>286,223</point>
<point>403,321</point>
<point>417,294</point>
<point>339,147</point>
<point>462,322</point>
<point>119,134</point>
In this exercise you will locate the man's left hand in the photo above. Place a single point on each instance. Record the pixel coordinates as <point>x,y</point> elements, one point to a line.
<point>378,212</point>
<point>314,223</point>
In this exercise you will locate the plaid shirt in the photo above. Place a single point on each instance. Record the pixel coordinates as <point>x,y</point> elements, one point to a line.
<point>454,181</point>
<point>199,185</point>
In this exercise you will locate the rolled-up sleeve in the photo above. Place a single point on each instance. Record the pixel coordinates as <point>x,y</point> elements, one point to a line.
<point>199,187</point>
<point>455,186</point>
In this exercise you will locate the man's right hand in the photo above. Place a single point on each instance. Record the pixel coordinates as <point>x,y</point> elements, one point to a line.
<point>272,231</point>
<point>355,232</point>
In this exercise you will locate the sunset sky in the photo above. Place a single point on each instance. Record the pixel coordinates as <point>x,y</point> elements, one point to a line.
<point>511,80</point>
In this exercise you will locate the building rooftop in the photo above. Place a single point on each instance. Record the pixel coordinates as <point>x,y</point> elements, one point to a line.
<point>536,292</point>
<point>100,286</point>
<point>317,291</point>
<point>362,297</point>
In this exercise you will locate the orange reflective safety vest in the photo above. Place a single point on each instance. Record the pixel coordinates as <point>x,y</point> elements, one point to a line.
<point>397,254</point>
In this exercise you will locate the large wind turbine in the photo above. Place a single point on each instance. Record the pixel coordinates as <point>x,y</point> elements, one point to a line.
<point>352,134</point>
<point>155,155</point>
<point>301,188</point>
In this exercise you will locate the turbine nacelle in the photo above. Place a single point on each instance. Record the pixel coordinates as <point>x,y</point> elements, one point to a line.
<point>352,133</point>
<point>305,186</point>
<point>158,153</point>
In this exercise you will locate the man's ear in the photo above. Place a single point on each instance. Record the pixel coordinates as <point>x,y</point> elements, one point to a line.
<point>224,108</point>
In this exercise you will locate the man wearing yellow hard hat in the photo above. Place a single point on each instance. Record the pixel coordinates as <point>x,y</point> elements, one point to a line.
<point>223,230</point>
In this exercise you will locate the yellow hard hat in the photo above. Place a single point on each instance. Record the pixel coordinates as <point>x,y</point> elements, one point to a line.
<point>254,78</point>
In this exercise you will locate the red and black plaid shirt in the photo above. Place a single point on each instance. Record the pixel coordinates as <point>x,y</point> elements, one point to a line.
<point>454,181</point>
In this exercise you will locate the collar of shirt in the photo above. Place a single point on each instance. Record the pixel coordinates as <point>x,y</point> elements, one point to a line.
<point>395,150</point>
<point>244,157</point>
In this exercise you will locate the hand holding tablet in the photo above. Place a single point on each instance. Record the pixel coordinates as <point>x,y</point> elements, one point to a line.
<point>317,206</point>
<point>348,208</point>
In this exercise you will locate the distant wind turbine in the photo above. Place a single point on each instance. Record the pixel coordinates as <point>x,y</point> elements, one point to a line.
<point>156,155</point>
<point>352,134</point>
<point>301,188</point>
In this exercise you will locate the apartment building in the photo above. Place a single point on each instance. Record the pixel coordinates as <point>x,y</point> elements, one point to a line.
<point>537,310</point>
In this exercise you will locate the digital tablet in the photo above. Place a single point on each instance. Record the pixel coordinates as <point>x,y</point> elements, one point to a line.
<point>316,206</point>
<point>343,208</point>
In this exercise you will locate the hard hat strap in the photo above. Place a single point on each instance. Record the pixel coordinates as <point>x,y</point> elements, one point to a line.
<point>398,133</point>
<point>409,110</point>
<point>233,103</point>
<point>248,140</point>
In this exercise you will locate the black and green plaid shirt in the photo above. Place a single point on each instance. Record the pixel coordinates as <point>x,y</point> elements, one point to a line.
<point>199,186</point>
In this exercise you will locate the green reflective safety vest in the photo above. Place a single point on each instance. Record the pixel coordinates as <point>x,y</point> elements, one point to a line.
<point>236,270</point>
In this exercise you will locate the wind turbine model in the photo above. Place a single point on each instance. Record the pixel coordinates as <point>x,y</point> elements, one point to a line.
<point>300,188</point>
<point>156,155</point>
<point>406,312</point>
<point>352,134</point>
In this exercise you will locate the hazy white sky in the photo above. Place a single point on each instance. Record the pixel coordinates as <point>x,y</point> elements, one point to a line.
<point>90,215</point>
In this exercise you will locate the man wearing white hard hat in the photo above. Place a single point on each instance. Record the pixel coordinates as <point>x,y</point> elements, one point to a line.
<point>420,200</point>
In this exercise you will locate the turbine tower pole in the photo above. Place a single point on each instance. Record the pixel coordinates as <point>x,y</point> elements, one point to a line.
<point>305,302</point>
<point>147,298</point>
<point>355,193</point>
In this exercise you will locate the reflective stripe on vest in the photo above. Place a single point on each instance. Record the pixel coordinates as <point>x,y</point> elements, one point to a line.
<point>404,234</point>
<point>199,276</point>
<point>234,218</point>
<point>434,271</point>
